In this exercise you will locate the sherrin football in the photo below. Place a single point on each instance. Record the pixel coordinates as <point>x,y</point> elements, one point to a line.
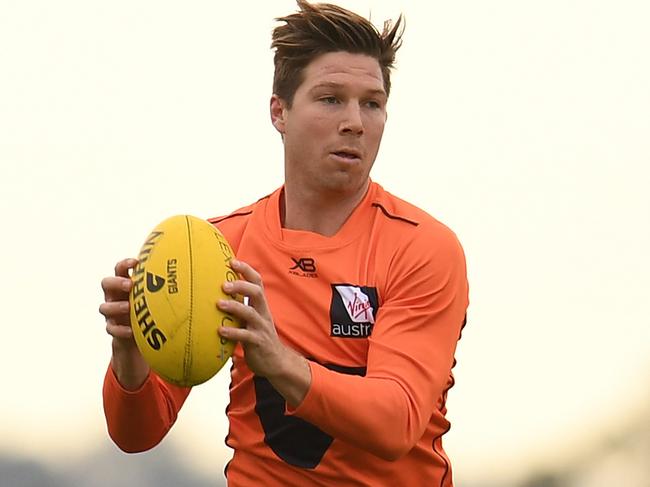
<point>176,285</point>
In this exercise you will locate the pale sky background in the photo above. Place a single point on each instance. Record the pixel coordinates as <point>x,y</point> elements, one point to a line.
<point>525,126</point>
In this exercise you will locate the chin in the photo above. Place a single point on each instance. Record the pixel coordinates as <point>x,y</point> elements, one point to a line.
<point>344,184</point>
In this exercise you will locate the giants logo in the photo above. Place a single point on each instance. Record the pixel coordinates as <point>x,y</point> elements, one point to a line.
<point>353,310</point>
<point>154,282</point>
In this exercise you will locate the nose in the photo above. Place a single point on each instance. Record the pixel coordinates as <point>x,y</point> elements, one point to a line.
<point>351,123</point>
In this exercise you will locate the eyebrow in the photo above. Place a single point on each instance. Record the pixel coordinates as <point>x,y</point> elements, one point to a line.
<point>333,84</point>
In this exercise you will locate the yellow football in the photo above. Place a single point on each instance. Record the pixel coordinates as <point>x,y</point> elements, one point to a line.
<point>176,285</point>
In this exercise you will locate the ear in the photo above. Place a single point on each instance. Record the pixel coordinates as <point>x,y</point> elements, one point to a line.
<point>278,113</point>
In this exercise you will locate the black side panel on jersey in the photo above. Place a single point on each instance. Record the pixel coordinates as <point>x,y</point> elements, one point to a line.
<point>294,440</point>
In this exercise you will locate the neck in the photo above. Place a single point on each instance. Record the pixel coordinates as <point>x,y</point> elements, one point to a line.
<point>324,214</point>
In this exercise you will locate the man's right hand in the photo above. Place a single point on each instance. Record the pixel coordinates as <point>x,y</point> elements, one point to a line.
<point>128,364</point>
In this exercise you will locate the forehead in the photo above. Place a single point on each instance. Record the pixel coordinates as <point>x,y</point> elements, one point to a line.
<point>344,68</point>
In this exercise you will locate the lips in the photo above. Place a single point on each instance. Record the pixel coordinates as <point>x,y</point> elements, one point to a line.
<point>347,153</point>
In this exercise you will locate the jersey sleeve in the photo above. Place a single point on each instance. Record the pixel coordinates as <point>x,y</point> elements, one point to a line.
<point>410,354</point>
<point>138,420</point>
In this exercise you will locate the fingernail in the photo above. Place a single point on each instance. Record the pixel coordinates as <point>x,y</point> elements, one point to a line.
<point>234,262</point>
<point>126,285</point>
<point>227,286</point>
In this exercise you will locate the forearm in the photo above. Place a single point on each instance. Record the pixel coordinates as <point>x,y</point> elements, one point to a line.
<point>139,406</point>
<point>138,419</point>
<point>374,414</point>
<point>127,363</point>
<point>386,411</point>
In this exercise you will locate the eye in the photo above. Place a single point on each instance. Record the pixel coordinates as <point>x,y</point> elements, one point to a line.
<point>373,104</point>
<point>329,100</point>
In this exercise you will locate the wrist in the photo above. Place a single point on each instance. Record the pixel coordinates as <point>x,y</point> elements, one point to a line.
<point>127,363</point>
<point>292,377</point>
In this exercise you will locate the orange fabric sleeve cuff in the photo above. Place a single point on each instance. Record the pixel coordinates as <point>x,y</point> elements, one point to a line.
<point>115,384</point>
<point>311,400</point>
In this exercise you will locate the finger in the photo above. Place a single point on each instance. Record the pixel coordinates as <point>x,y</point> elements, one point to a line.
<point>238,335</point>
<point>123,267</point>
<point>116,284</point>
<point>247,272</point>
<point>116,317</point>
<point>241,311</point>
<point>118,331</point>
<point>116,288</point>
<point>253,292</point>
<point>114,309</point>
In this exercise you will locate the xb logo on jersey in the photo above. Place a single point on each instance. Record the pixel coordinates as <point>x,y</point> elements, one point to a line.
<point>353,310</point>
<point>303,267</point>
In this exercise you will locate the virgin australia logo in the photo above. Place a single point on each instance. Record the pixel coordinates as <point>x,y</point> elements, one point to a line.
<point>353,310</point>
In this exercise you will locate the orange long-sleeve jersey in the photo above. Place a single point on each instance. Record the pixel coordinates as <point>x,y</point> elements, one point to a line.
<point>377,309</point>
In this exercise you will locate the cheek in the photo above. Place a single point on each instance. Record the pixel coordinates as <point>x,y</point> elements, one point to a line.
<point>310,124</point>
<point>319,123</point>
<point>303,137</point>
<point>375,130</point>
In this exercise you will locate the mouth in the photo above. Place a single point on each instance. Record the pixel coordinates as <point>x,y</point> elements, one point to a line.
<point>347,154</point>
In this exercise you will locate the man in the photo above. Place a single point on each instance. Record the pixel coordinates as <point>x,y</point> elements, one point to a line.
<point>356,298</point>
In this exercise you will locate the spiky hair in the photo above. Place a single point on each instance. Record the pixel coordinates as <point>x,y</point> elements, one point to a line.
<point>321,28</point>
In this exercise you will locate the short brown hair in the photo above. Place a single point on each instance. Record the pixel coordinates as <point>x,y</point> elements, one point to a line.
<point>322,28</point>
